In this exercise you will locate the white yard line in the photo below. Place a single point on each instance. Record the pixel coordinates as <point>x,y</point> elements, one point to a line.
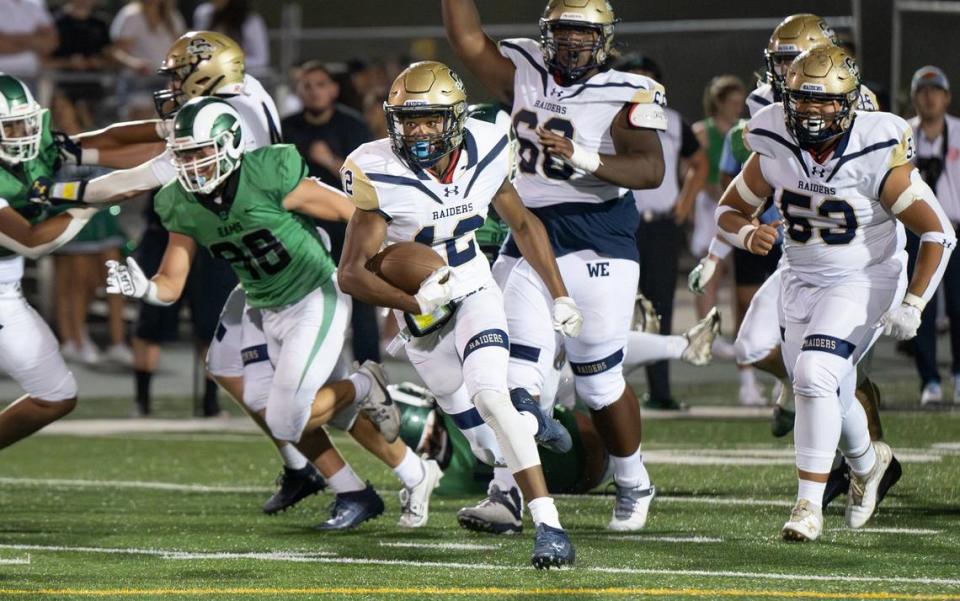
<point>668,539</point>
<point>917,531</point>
<point>15,561</point>
<point>136,484</point>
<point>441,546</point>
<point>314,557</point>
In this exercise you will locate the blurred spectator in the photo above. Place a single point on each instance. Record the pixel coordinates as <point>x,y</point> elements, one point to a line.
<point>663,212</point>
<point>79,271</point>
<point>937,138</point>
<point>234,18</point>
<point>723,104</point>
<point>325,132</point>
<point>142,33</point>
<point>84,48</point>
<point>27,35</point>
<point>374,116</point>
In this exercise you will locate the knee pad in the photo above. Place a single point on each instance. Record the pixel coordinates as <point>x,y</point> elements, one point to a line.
<point>818,374</point>
<point>511,429</point>
<point>600,390</point>
<point>287,420</point>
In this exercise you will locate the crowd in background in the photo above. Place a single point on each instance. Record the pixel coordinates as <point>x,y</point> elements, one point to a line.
<point>332,109</point>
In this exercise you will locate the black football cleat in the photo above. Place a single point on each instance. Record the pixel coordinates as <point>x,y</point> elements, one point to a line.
<point>350,509</point>
<point>552,548</point>
<point>890,477</point>
<point>837,484</point>
<point>294,486</point>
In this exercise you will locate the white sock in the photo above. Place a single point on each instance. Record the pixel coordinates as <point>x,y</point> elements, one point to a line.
<point>503,478</point>
<point>411,470</point>
<point>292,457</point>
<point>811,491</point>
<point>747,377</point>
<point>543,511</point>
<point>361,384</point>
<point>345,480</point>
<point>863,463</point>
<point>629,471</point>
<point>644,348</point>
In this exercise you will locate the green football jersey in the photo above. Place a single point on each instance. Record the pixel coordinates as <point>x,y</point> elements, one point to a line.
<point>740,152</point>
<point>278,256</point>
<point>15,180</point>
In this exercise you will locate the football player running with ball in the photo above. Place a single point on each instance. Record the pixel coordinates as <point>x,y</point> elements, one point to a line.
<point>432,182</point>
<point>587,134</point>
<point>29,351</point>
<point>845,187</point>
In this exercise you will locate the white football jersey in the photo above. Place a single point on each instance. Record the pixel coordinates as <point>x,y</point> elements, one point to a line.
<point>259,118</point>
<point>420,208</point>
<point>836,229</point>
<point>583,112</point>
<point>763,96</point>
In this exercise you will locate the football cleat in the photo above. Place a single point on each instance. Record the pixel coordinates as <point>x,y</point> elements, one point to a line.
<point>805,523</point>
<point>552,548</point>
<point>415,501</point>
<point>631,508</point>
<point>862,496</point>
<point>645,317</point>
<point>838,483</point>
<point>550,433</point>
<point>890,477</point>
<point>350,509</point>
<point>378,405</point>
<point>294,486</point>
<point>700,339</point>
<point>500,513</point>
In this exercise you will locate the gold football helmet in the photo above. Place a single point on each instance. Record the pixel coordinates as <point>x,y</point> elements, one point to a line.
<point>200,63</point>
<point>564,56</point>
<point>822,77</point>
<point>426,89</point>
<point>792,36</point>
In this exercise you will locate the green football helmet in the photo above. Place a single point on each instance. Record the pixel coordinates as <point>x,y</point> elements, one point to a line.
<point>20,121</point>
<point>417,413</point>
<point>207,143</point>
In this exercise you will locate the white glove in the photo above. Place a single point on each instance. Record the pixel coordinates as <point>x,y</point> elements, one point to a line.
<point>567,318</point>
<point>701,274</point>
<point>901,322</point>
<point>435,290</point>
<point>127,280</point>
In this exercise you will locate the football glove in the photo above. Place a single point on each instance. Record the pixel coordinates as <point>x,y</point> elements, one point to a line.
<point>902,322</point>
<point>435,291</point>
<point>567,318</point>
<point>71,153</point>
<point>701,274</point>
<point>127,280</point>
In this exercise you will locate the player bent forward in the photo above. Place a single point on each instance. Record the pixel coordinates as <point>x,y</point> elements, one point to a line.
<point>843,180</point>
<point>432,181</point>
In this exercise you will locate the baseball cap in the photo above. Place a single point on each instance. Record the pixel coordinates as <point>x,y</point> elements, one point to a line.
<point>929,76</point>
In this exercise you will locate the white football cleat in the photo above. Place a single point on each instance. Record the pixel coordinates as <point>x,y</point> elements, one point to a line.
<point>415,501</point>
<point>630,510</point>
<point>805,523</point>
<point>862,496</point>
<point>700,339</point>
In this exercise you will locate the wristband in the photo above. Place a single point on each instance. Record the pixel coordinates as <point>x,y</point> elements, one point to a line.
<point>69,191</point>
<point>150,296</point>
<point>89,156</point>
<point>583,159</point>
<point>914,301</point>
<point>744,234</point>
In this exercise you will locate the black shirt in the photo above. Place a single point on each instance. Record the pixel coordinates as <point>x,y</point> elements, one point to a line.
<point>87,37</point>
<point>343,133</point>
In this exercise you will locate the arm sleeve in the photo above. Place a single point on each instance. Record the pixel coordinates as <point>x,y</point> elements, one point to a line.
<point>689,144</point>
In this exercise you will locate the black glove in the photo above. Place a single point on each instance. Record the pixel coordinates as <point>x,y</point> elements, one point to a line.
<point>71,153</point>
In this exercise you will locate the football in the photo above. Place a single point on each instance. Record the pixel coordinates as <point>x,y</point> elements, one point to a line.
<point>405,265</point>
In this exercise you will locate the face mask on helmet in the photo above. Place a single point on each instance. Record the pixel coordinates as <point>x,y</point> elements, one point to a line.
<point>20,136</point>
<point>203,166</point>
<point>167,102</point>
<point>815,118</point>
<point>423,135</point>
<point>777,65</point>
<point>572,49</point>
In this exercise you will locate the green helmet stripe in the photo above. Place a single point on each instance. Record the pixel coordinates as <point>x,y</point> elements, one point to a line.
<point>183,124</point>
<point>13,90</point>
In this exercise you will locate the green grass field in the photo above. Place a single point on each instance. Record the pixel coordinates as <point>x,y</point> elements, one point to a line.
<point>176,516</point>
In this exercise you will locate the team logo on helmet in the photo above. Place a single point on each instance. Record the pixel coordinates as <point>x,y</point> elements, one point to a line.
<point>200,49</point>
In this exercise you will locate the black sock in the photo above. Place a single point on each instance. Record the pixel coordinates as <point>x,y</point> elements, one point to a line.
<point>143,390</point>
<point>211,406</point>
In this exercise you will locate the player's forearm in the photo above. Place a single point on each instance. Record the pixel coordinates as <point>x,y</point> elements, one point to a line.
<point>635,171</point>
<point>49,235</point>
<point>122,134</point>
<point>357,281</point>
<point>533,243</point>
<point>127,157</point>
<point>113,187</point>
<point>166,289</point>
<point>464,28</point>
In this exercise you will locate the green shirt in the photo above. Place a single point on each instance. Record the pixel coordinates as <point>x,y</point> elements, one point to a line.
<point>16,180</point>
<point>278,256</point>
<point>714,150</point>
<point>740,152</point>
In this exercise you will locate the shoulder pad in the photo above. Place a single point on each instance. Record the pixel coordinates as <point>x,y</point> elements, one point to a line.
<point>762,130</point>
<point>514,48</point>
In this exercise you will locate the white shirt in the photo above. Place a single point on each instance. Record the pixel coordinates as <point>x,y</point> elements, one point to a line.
<point>146,44</point>
<point>947,188</point>
<point>662,199</point>
<point>255,41</point>
<point>19,17</point>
